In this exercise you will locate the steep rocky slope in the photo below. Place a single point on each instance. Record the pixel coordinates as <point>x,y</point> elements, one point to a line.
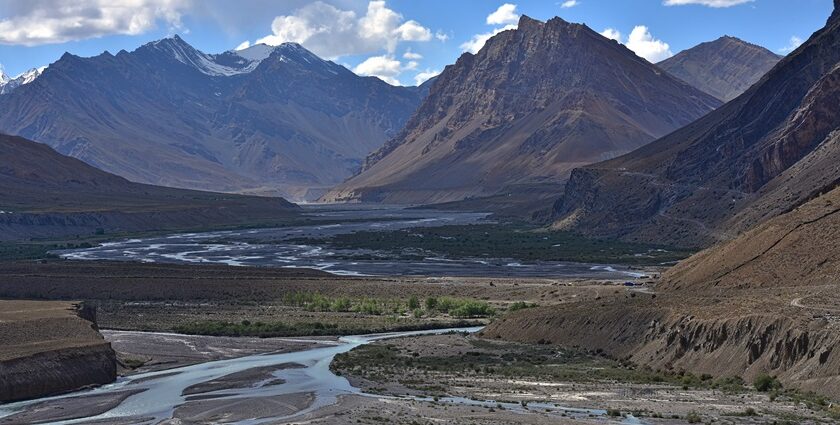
<point>51,347</point>
<point>46,194</point>
<point>534,103</point>
<point>764,153</point>
<point>765,302</point>
<point>724,68</point>
<point>265,120</point>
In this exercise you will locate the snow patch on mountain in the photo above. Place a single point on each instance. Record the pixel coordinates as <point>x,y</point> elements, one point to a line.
<point>7,84</point>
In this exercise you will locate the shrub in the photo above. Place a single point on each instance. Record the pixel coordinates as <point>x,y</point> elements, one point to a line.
<point>472,309</point>
<point>520,305</point>
<point>431,303</point>
<point>693,418</point>
<point>413,303</point>
<point>765,383</point>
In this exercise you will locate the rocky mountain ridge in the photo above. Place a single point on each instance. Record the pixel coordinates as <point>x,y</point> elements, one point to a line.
<point>534,103</point>
<point>263,120</point>
<point>760,155</point>
<point>45,195</point>
<point>724,68</point>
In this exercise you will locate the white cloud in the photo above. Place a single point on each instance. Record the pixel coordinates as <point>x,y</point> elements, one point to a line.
<point>33,23</point>
<point>385,67</point>
<point>569,3</point>
<point>425,76</point>
<point>413,31</point>
<point>411,55</point>
<point>243,45</point>
<point>477,41</point>
<point>441,36</point>
<point>505,14</point>
<point>332,32</point>
<point>642,42</point>
<point>793,44</point>
<point>612,34</point>
<point>709,3</point>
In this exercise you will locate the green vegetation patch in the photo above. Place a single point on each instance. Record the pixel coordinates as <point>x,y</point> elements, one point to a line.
<point>282,329</point>
<point>432,307</point>
<point>519,242</point>
<point>386,360</point>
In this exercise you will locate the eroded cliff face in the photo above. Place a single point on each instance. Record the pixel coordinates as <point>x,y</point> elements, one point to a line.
<point>801,353</point>
<point>50,348</point>
<point>765,302</point>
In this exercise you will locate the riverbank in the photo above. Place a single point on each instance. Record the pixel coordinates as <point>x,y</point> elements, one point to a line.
<point>537,379</point>
<point>225,300</point>
<point>49,348</point>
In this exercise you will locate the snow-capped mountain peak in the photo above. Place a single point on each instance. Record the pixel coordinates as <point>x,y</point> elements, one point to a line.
<point>183,52</point>
<point>7,84</point>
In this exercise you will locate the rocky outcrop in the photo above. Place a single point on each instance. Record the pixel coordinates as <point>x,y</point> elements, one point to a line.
<point>760,155</point>
<point>50,348</point>
<point>534,103</point>
<point>724,68</point>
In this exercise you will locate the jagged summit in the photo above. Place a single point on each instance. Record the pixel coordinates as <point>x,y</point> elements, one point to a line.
<point>587,99</point>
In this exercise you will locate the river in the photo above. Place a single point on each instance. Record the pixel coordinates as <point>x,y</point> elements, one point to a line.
<point>280,247</point>
<point>155,396</point>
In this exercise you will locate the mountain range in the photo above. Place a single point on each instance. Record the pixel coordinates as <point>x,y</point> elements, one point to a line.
<point>46,194</point>
<point>530,106</point>
<point>9,84</point>
<point>723,68</point>
<point>266,120</point>
<point>766,152</point>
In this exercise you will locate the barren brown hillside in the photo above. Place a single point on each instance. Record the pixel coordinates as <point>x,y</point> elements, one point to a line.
<point>766,302</point>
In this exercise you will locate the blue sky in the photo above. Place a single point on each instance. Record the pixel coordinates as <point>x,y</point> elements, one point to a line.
<point>402,41</point>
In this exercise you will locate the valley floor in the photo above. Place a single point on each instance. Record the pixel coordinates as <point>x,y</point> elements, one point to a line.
<point>412,380</point>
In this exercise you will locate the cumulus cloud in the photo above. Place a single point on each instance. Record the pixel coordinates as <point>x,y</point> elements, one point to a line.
<point>425,76</point>
<point>243,45</point>
<point>413,31</point>
<point>612,34</point>
<point>477,41</point>
<point>36,22</point>
<point>411,55</point>
<point>642,42</point>
<point>569,3</point>
<point>389,69</point>
<point>792,45</point>
<point>332,32</point>
<point>505,14</point>
<point>709,3</point>
<point>441,36</point>
<point>384,67</point>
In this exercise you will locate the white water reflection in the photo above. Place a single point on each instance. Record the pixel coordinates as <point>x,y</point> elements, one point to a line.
<point>281,247</point>
<point>161,392</point>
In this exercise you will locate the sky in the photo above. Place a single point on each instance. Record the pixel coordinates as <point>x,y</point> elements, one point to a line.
<point>401,41</point>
